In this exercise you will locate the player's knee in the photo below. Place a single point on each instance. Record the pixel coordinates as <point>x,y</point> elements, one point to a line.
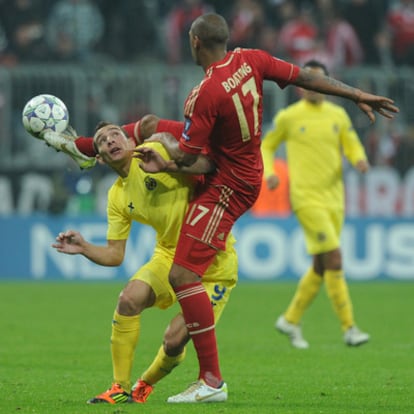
<point>148,125</point>
<point>129,306</point>
<point>333,260</point>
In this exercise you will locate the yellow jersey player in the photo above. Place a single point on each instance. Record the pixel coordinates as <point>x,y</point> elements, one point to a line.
<point>159,201</point>
<point>317,132</point>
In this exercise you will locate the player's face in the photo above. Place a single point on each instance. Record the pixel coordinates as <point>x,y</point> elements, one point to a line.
<point>311,96</point>
<point>112,144</point>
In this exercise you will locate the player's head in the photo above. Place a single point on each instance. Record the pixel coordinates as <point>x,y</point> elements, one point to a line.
<point>209,31</point>
<point>316,64</point>
<point>318,68</point>
<point>111,144</point>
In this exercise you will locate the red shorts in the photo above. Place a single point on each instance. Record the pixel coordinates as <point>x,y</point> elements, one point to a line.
<point>209,220</point>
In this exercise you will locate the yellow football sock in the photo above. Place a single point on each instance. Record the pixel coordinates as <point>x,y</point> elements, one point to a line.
<point>338,293</point>
<point>161,366</point>
<point>306,291</point>
<point>124,338</point>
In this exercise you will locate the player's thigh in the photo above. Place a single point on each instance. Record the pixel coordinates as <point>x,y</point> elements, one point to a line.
<point>219,294</point>
<point>322,228</point>
<point>208,222</point>
<point>155,274</point>
<point>136,296</point>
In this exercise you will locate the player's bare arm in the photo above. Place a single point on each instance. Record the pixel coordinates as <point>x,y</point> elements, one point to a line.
<point>72,242</point>
<point>171,145</point>
<point>367,102</point>
<point>147,126</point>
<point>151,161</point>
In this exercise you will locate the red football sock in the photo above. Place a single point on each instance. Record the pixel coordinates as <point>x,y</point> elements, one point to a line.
<point>199,318</point>
<point>85,146</point>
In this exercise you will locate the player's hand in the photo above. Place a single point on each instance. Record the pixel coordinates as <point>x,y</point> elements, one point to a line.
<point>272,182</point>
<point>362,166</point>
<point>370,104</point>
<point>151,161</point>
<point>69,242</point>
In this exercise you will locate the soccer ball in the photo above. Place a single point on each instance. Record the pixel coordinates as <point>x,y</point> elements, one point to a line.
<point>45,113</point>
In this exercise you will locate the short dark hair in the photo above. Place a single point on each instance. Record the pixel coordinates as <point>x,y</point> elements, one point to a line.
<point>313,63</point>
<point>212,29</point>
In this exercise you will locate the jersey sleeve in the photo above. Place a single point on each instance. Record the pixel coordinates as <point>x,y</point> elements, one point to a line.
<point>132,130</point>
<point>173,127</point>
<point>271,142</point>
<point>277,70</point>
<point>352,146</point>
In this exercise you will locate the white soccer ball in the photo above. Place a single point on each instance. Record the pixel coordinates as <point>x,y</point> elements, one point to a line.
<point>45,113</point>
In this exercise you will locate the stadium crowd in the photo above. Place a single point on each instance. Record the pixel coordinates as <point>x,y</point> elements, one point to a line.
<point>334,31</point>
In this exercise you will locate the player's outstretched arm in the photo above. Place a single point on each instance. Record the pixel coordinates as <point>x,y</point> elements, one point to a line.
<point>367,102</point>
<point>72,242</point>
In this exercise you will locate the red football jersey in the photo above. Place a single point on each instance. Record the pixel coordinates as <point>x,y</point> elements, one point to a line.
<point>224,114</point>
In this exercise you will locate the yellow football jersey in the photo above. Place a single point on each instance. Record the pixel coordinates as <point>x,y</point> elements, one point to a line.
<point>316,137</point>
<point>158,200</point>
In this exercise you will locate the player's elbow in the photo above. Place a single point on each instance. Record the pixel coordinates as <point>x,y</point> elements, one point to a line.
<point>114,258</point>
<point>148,125</point>
<point>183,158</point>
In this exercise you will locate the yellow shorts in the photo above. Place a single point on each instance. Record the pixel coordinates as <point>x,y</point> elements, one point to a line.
<point>219,280</point>
<point>322,228</point>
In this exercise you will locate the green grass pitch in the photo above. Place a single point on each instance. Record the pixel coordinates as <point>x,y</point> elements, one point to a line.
<point>54,352</point>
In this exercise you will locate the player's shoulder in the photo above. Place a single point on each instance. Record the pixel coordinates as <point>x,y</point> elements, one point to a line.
<point>335,111</point>
<point>157,146</point>
<point>291,110</point>
<point>248,51</point>
<point>116,186</point>
<point>334,107</point>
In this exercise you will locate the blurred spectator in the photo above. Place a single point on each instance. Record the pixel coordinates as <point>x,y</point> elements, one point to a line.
<point>404,155</point>
<point>74,28</point>
<point>178,23</point>
<point>24,28</point>
<point>358,13</point>
<point>297,37</point>
<point>3,46</point>
<point>268,40</point>
<point>131,30</point>
<point>319,52</point>
<point>342,42</point>
<point>280,11</point>
<point>246,22</point>
<point>400,20</point>
<point>381,145</point>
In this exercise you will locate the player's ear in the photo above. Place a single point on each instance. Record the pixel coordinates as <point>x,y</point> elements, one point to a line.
<point>197,42</point>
